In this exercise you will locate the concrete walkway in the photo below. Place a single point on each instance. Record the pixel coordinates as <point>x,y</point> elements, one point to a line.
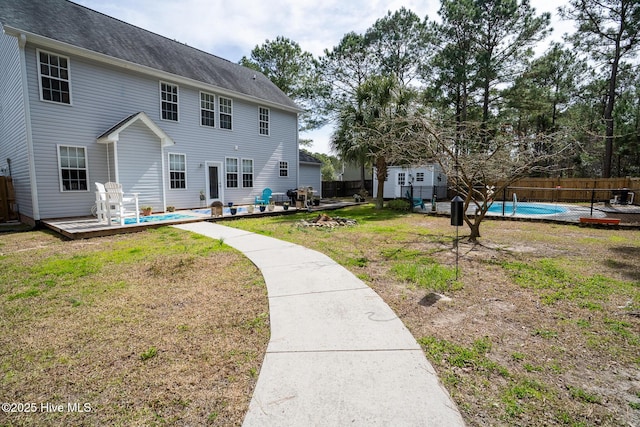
<point>338,355</point>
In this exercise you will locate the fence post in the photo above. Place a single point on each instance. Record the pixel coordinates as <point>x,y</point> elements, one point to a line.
<point>593,196</point>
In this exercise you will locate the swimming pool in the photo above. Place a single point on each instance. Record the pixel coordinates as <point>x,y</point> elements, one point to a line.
<point>527,209</point>
<point>156,218</point>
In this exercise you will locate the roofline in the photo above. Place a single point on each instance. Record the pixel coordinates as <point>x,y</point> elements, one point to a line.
<point>100,57</point>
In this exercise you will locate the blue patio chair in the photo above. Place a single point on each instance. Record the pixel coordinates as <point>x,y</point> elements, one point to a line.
<point>264,198</point>
<point>415,201</point>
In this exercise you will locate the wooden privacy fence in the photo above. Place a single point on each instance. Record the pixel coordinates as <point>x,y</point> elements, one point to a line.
<point>571,189</point>
<point>7,200</point>
<point>345,188</point>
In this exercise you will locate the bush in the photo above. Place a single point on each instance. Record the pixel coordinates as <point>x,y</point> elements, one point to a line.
<point>398,205</point>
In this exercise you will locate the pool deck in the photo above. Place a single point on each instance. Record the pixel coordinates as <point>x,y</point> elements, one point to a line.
<point>88,227</point>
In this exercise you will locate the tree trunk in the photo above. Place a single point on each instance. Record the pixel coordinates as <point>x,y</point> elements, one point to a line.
<point>608,112</point>
<point>381,175</point>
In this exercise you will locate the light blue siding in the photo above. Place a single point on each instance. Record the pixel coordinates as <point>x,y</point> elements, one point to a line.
<point>13,136</point>
<point>311,176</point>
<point>102,95</point>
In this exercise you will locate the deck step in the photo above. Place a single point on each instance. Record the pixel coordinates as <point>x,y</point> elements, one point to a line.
<point>614,221</point>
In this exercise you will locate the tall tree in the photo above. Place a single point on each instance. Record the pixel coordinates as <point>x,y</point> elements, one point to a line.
<point>507,32</point>
<point>608,31</point>
<point>294,71</point>
<point>544,91</point>
<point>401,42</point>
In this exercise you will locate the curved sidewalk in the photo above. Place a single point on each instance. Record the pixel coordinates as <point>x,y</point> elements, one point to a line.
<point>338,355</point>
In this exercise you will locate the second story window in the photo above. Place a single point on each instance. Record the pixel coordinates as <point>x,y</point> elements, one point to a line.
<point>53,71</point>
<point>207,109</point>
<point>169,99</point>
<point>225,112</point>
<point>263,121</point>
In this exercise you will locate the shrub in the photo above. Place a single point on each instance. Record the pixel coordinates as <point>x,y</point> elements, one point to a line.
<point>398,205</point>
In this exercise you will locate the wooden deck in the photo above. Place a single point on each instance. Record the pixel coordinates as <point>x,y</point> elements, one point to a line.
<point>89,227</point>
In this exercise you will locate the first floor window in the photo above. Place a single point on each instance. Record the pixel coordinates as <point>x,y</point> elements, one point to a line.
<point>247,173</point>
<point>401,178</point>
<point>264,121</point>
<point>284,168</point>
<point>169,98</point>
<point>54,78</point>
<point>73,168</point>
<point>232,172</point>
<point>178,170</point>
<point>420,176</point>
<point>207,109</point>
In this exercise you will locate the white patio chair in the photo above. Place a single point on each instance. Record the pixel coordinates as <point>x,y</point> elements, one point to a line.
<point>102,207</point>
<point>116,202</point>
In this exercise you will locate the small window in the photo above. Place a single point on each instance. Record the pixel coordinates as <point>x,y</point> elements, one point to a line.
<point>225,112</point>
<point>169,97</point>
<point>401,178</point>
<point>178,170</point>
<point>232,172</point>
<point>420,176</point>
<point>264,121</point>
<point>72,162</point>
<point>284,168</point>
<point>53,71</point>
<point>247,173</point>
<point>207,109</point>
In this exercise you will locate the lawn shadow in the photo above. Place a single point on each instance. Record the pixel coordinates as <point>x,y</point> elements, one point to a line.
<point>623,264</point>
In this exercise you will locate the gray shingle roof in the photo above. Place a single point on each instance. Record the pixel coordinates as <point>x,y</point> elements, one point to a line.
<point>308,158</point>
<point>79,26</point>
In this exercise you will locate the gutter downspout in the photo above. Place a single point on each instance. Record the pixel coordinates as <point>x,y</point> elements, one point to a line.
<point>22,42</point>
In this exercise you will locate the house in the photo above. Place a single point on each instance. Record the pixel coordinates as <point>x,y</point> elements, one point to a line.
<point>424,181</point>
<point>310,171</point>
<point>88,98</point>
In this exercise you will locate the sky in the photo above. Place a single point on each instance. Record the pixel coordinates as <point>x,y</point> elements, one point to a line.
<point>231,29</point>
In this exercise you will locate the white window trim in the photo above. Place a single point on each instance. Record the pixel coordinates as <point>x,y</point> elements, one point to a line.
<point>253,175</point>
<point>160,83</point>
<point>280,169</point>
<point>40,77</point>
<point>260,121</point>
<point>238,172</point>
<point>186,183</point>
<point>220,112</point>
<point>216,118</point>
<point>86,168</point>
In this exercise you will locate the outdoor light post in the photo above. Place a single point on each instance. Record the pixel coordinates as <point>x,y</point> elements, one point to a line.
<point>457,213</point>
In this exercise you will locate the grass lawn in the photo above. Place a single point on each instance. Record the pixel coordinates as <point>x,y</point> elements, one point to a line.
<point>156,328</point>
<point>544,323</point>
<point>164,327</point>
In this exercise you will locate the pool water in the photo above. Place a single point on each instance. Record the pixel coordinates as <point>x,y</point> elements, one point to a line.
<point>156,218</point>
<point>525,208</point>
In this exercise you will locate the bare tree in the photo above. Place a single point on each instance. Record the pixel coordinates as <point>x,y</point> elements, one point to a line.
<point>486,166</point>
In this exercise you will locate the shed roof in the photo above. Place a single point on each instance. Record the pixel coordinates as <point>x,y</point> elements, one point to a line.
<point>305,157</point>
<point>79,26</point>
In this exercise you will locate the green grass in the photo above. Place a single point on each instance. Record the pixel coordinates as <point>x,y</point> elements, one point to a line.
<point>554,282</point>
